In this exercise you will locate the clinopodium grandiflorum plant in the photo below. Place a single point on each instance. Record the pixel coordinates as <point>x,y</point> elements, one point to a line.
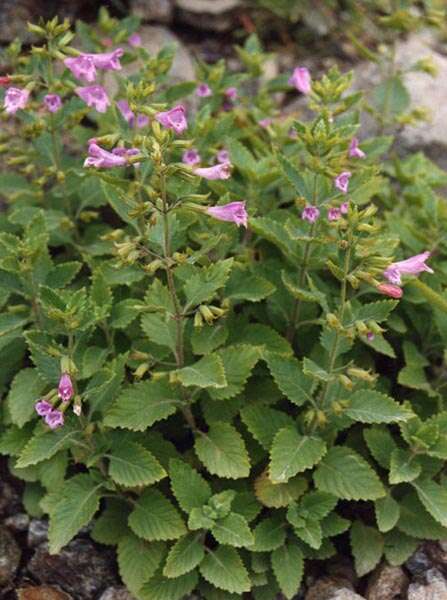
<point>222,329</point>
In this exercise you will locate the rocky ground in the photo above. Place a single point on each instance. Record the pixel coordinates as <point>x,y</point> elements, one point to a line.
<point>204,28</point>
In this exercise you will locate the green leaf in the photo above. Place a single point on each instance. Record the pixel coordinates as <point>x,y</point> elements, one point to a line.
<point>190,489</point>
<point>292,453</point>
<point>26,388</point>
<point>241,157</point>
<point>143,404</point>
<point>62,274</point>
<point>45,445</point>
<point>242,285</point>
<point>233,530</point>
<point>224,569</point>
<point>132,465</point>
<point>78,502</point>
<point>391,97</point>
<point>138,560</point>
<point>375,311</point>
<point>184,555</point>
<point>288,567</point>
<point>399,547</point>
<point>264,337</point>
<point>381,444</point>
<point>111,525</point>
<point>238,362</point>
<point>310,532</point>
<point>416,522</point>
<point>404,466</point>
<point>289,377</point>
<point>275,495</point>
<point>367,546</point>
<point>333,525</point>
<point>160,329</point>
<point>208,372</point>
<point>203,285</point>
<point>222,451</point>
<point>293,175</point>
<point>369,406</point>
<point>387,513</point>
<point>162,588</point>
<point>155,518</point>
<point>207,338</point>
<point>317,505</point>
<point>264,423</point>
<point>300,293</point>
<point>434,497</point>
<point>347,475</point>
<point>269,534</point>
<point>311,369</point>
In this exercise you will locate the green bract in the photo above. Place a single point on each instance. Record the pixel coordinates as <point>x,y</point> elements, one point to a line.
<point>242,397</point>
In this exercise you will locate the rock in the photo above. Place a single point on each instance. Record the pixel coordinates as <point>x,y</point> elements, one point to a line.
<point>42,593</point>
<point>328,588</point>
<point>160,11</point>
<point>419,563</point>
<point>153,39</point>
<point>213,15</point>
<point>14,15</point>
<point>437,553</point>
<point>116,593</point>
<point>9,557</point>
<point>37,532</point>
<point>18,522</point>
<point>9,499</point>
<point>80,568</point>
<point>434,589</point>
<point>386,583</point>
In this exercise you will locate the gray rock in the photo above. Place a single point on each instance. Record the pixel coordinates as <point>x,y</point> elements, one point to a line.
<point>419,563</point>
<point>213,15</point>
<point>386,583</point>
<point>345,594</point>
<point>434,589</point>
<point>116,593</point>
<point>331,588</point>
<point>10,503</point>
<point>9,557</point>
<point>37,532</point>
<point>160,11</point>
<point>153,39</point>
<point>42,592</point>
<point>14,14</point>
<point>80,568</point>
<point>18,522</point>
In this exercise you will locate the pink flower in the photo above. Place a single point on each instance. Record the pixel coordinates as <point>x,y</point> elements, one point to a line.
<point>223,156</point>
<point>293,134</point>
<point>173,119</point>
<point>234,212</point>
<point>265,122</point>
<point>344,208</point>
<point>341,182</point>
<point>219,171</point>
<point>231,93</point>
<point>134,40</point>
<point>82,67</point>
<point>65,388</point>
<point>354,150</point>
<point>94,95</point>
<point>142,121</point>
<point>102,159</point>
<point>370,336</point>
<point>191,157</point>
<point>129,115</point>
<point>43,408</point>
<point>393,291</point>
<point>109,61</point>
<point>411,266</point>
<point>53,102</point>
<point>15,99</point>
<point>203,90</point>
<point>126,153</point>
<point>333,214</point>
<point>310,214</point>
<point>54,419</point>
<point>301,80</point>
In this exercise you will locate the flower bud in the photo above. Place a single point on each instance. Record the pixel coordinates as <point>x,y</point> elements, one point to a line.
<point>361,327</point>
<point>346,382</point>
<point>391,290</point>
<point>141,370</point>
<point>198,320</point>
<point>333,321</point>
<point>361,374</point>
<point>206,314</point>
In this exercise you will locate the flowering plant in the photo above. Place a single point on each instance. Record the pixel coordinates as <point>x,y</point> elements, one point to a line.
<point>221,329</point>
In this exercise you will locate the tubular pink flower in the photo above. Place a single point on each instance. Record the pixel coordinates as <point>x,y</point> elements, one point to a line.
<point>341,182</point>
<point>233,212</point>
<point>393,291</point>
<point>129,115</point>
<point>109,61</point>
<point>82,67</point>
<point>54,419</point>
<point>142,121</point>
<point>344,208</point>
<point>370,336</point>
<point>191,157</point>
<point>301,80</point>
<point>52,102</point>
<point>411,266</point>
<point>102,159</point>
<point>333,214</point>
<point>264,123</point>
<point>354,150</point>
<point>203,90</point>
<point>173,119</point>
<point>15,99</point>
<point>223,156</point>
<point>310,214</point>
<point>134,40</point>
<point>94,96</point>
<point>219,171</point>
<point>231,93</point>
<point>43,407</point>
<point>65,389</point>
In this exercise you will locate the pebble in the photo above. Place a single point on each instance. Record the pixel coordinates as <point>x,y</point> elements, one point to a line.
<point>42,592</point>
<point>434,589</point>
<point>116,593</point>
<point>386,583</point>
<point>10,555</point>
